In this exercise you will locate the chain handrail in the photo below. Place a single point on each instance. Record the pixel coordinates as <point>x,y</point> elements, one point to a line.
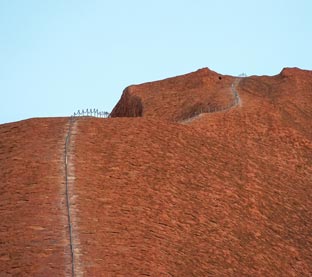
<point>213,109</point>
<point>68,206</point>
<point>92,113</point>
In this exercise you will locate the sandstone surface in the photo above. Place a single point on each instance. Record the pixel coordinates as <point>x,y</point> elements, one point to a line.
<point>165,187</point>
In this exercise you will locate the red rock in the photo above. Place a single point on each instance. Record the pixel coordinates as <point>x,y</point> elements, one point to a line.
<point>33,228</point>
<point>228,193</point>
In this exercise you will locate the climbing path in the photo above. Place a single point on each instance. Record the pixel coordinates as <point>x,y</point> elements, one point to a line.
<point>69,214</point>
<point>235,102</point>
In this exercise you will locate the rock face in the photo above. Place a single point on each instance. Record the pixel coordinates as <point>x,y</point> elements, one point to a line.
<point>155,193</point>
<point>33,235</point>
<point>177,98</point>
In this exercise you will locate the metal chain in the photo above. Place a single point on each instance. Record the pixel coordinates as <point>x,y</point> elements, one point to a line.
<point>92,112</point>
<point>230,105</point>
<point>70,227</point>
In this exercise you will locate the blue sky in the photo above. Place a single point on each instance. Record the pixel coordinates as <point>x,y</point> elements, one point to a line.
<point>58,56</point>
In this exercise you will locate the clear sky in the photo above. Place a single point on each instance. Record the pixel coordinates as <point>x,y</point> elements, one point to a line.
<point>58,56</point>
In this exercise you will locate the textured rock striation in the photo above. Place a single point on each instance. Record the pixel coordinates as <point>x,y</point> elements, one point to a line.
<point>33,235</point>
<point>227,193</point>
<point>177,98</point>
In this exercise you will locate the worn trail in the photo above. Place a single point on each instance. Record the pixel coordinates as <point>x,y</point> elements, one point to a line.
<point>235,102</point>
<point>70,225</point>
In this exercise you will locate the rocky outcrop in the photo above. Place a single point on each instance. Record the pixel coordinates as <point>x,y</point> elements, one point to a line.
<point>178,98</point>
<point>226,194</point>
<point>129,106</point>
